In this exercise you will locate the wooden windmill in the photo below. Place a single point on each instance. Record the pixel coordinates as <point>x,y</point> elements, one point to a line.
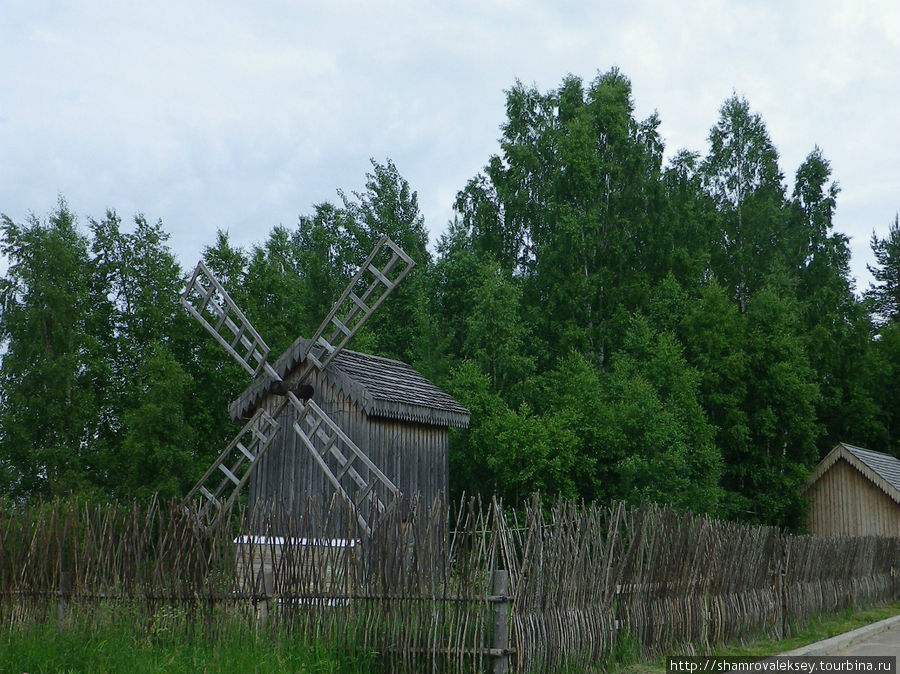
<point>346,467</point>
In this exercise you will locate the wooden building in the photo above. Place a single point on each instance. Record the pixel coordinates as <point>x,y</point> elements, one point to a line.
<point>855,492</point>
<point>399,419</point>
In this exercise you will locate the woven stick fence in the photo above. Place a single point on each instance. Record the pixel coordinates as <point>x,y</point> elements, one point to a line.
<point>583,580</point>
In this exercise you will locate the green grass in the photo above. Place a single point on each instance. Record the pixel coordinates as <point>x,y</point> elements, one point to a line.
<point>816,630</point>
<point>121,641</point>
<point>123,645</point>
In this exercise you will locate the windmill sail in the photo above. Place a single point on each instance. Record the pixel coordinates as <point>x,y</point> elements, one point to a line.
<point>325,440</point>
<point>206,300</point>
<point>222,482</point>
<point>354,307</point>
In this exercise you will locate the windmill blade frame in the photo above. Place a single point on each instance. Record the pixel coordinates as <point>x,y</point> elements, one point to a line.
<point>353,309</point>
<point>261,430</point>
<point>322,437</point>
<point>213,299</point>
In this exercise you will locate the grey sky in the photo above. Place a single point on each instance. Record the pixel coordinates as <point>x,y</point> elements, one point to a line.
<point>241,116</point>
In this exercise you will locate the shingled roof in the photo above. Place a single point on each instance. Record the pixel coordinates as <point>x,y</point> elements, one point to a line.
<point>883,470</point>
<point>381,386</point>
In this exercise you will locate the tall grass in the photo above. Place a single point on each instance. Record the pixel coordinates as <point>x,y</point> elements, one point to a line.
<point>122,641</point>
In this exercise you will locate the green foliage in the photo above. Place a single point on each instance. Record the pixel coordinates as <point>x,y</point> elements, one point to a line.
<point>108,386</point>
<point>884,295</point>
<point>388,207</point>
<point>467,455</point>
<point>637,420</point>
<point>837,328</point>
<point>450,286</point>
<point>568,207</point>
<point>749,303</point>
<point>496,336</point>
<point>509,452</point>
<point>654,395</point>
<point>600,434</point>
<point>757,386</point>
<point>780,404</point>
<point>135,285</point>
<point>48,402</point>
<point>273,292</point>
<point>885,373</point>
<point>158,437</point>
<point>742,177</point>
<point>327,249</point>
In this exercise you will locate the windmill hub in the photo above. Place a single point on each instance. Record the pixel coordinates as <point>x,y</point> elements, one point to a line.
<point>282,388</point>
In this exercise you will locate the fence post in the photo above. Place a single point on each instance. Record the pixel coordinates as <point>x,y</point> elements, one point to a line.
<point>894,568</point>
<point>782,587</point>
<point>268,592</point>
<point>65,589</point>
<point>500,644</point>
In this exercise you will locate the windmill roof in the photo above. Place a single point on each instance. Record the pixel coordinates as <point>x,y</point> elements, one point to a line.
<point>882,469</point>
<point>382,386</point>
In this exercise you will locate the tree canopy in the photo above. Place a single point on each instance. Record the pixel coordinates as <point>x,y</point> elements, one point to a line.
<point>620,326</point>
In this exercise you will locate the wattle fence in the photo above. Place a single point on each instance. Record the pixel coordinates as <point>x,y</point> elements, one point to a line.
<point>466,588</point>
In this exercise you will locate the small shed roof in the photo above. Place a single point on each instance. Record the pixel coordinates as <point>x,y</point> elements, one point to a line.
<point>883,470</point>
<point>381,386</point>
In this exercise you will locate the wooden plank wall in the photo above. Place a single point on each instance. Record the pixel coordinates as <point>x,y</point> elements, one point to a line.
<point>845,503</point>
<point>412,455</point>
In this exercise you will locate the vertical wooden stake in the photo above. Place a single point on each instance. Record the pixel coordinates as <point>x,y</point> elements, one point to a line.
<point>268,591</point>
<point>782,623</point>
<point>65,589</point>
<point>894,570</point>
<point>500,590</point>
<point>785,561</point>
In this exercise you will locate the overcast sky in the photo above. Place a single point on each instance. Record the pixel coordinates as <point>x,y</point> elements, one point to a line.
<point>242,115</point>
